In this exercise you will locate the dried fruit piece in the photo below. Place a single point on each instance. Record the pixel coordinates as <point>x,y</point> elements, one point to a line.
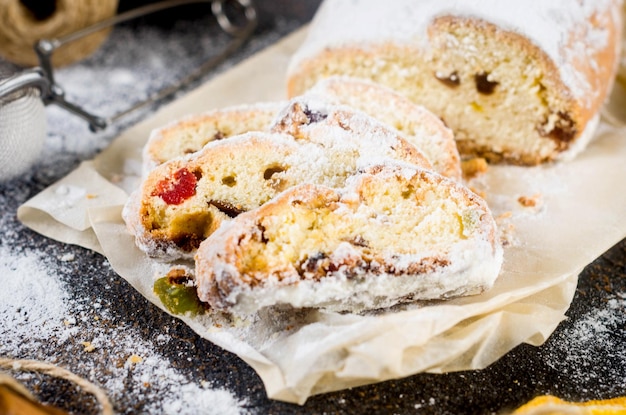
<point>485,84</point>
<point>179,188</point>
<point>227,208</point>
<point>178,293</point>
<point>452,80</point>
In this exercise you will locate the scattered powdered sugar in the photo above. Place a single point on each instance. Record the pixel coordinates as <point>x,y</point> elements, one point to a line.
<point>210,401</point>
<point>573,349</point>
<point>31,298</point>
<point>38,313</point>
<point>168,390</point>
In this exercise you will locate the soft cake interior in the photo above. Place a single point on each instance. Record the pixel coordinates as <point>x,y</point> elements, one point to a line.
<point>494,89</point>
<point>319,232</point>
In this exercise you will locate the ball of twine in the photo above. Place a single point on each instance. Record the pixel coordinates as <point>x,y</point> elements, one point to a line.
<point>20,29</point>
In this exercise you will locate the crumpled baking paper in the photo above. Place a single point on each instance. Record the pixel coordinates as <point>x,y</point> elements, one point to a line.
<point>577,212</point>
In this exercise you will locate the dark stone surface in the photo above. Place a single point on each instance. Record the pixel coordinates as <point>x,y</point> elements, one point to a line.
<point>584,359</point>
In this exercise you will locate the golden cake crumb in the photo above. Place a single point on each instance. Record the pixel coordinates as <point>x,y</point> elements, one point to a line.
<point>134,359</point>
<point>88,347</point>
<point>529,201</point>
<point>474,167</point>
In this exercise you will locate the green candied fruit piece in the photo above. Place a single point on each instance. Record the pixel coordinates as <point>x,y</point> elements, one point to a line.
<point>178,296</point>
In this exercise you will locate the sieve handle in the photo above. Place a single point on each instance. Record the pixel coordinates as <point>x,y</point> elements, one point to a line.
<point>19,82</point>
<point>54,94</point>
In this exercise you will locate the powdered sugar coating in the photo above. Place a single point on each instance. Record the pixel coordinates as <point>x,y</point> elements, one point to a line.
<point>325,152</point>
<point>316,119</point>
<point>415,123</point>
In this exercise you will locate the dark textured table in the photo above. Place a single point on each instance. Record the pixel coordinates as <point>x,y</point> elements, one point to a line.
<point>89,320</point>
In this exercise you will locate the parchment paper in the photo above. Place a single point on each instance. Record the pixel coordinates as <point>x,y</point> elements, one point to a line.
<point>579,214</point>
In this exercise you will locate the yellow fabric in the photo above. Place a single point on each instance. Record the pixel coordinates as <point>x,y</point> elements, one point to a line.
<point>551,405</point>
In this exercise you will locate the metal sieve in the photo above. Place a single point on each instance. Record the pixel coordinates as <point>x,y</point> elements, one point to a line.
<point>24,95</point>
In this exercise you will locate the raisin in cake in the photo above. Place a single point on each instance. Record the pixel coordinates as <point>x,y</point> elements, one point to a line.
<point>189,134</point>
<point>417,125</point>
<point>183,201</point>
<point>518,82</point>
<point>394,233</point>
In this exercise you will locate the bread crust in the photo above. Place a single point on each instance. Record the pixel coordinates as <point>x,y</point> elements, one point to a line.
<point>415,123</point>
<point>192,132</point>
<point>311,120</point>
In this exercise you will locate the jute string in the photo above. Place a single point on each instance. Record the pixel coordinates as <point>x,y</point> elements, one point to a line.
<point>20,29</point>
<point>58,372</point>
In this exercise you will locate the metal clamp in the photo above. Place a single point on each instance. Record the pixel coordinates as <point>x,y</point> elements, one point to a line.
<point>51,93</point>
<point>20,84</point>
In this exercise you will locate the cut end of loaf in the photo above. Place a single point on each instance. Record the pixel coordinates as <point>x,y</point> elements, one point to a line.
<point>394,234</point>
<point>501,95</point>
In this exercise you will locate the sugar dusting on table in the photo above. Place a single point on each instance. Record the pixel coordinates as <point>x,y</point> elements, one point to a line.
<point>572,349</point>
<point>36,312</point>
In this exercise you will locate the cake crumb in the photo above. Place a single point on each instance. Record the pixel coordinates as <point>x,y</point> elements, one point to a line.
<point>530,201</point>
<point>134,359</point>
<point>67,257</point>
<point>474,167</point>
<point>506,229</point>
<point>88,347</point>
<point>116,178</point>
